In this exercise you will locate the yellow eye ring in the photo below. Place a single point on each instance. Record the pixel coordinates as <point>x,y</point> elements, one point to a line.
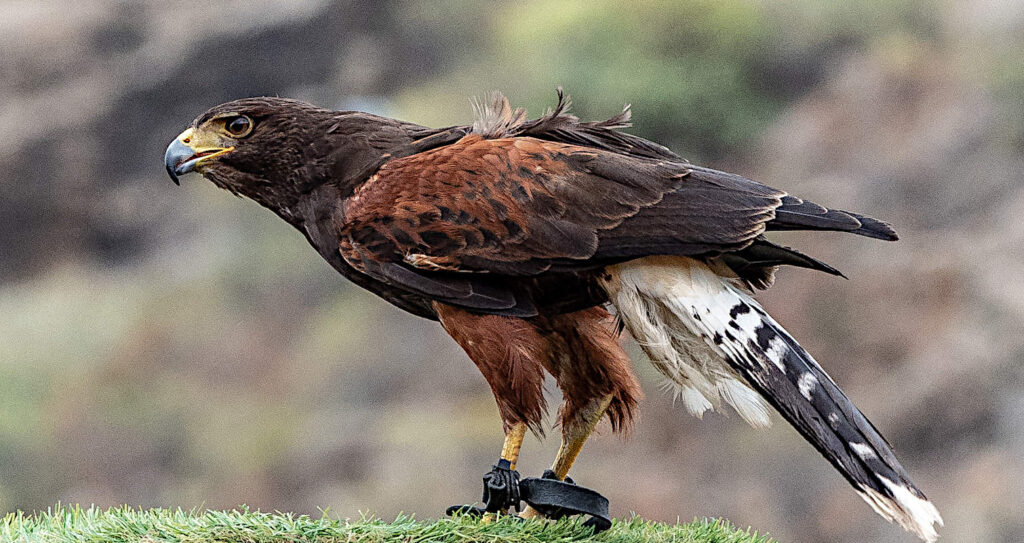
<point>239,126</point>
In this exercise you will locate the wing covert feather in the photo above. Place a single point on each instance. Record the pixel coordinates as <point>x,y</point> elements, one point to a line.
<point>523,206</point>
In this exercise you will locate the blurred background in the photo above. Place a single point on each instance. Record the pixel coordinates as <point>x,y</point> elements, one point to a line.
<point>164,346</point>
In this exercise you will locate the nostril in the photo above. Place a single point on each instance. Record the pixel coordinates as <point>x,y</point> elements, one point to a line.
<point>186,140</point>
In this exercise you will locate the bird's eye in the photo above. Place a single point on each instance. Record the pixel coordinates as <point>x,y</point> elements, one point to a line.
<point>239,126</point>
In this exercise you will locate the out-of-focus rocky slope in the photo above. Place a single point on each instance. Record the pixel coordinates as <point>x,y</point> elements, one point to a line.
<point>177,347</point>
<point>91,92</point>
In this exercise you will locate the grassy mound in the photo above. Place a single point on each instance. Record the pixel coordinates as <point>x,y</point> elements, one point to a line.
<point>126,525</point>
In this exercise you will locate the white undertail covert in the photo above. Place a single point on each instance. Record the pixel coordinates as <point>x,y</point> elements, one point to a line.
<point>701,328</point>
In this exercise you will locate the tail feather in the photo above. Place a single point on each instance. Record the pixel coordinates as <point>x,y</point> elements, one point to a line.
<point>751,345</point>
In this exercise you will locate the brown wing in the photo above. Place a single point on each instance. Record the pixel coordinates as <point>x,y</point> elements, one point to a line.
<point>461,222</point>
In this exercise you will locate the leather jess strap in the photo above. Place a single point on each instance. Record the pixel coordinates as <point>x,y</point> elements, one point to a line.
<point>557,499</point>
<point>553,498</point>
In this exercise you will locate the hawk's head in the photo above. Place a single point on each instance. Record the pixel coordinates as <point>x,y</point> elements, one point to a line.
<point>254,147</point>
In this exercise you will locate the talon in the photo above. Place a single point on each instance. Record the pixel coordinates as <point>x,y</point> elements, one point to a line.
<point>466,510</point>
<point>599,524</point>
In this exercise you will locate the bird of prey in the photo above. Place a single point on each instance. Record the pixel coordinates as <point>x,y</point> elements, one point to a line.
<point>517,236</point>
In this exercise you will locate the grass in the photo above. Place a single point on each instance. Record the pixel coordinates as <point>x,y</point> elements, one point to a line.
<point>126,525</point>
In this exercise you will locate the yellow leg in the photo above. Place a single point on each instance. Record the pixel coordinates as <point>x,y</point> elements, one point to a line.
<point>513,442</point>
<point>510,452</point>
<point>573,439</point>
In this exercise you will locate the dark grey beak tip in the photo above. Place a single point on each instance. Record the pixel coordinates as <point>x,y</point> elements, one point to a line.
<point>174,176</point>
<point>178,160</point>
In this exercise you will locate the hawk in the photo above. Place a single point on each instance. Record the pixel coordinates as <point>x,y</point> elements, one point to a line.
<point>517,235</point>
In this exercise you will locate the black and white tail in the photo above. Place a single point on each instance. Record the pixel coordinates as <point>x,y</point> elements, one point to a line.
<point>714,343</point>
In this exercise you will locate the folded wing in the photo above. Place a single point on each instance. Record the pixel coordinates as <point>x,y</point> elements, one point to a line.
<point>445,221</point>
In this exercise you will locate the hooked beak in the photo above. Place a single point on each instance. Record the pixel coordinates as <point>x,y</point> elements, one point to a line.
<point>181,157</point>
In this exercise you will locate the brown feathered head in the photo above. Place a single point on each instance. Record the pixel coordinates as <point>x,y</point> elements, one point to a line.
<point>254,147</point>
